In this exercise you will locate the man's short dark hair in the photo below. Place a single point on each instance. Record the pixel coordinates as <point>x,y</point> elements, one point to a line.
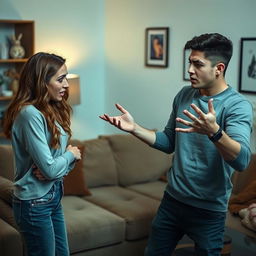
<point>216,47</point>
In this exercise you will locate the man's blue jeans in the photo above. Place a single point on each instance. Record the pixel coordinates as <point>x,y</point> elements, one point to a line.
<point>41,222</point>
<point>175,219</point>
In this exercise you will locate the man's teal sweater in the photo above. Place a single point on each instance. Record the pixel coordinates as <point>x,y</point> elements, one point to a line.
<point>199,175</point>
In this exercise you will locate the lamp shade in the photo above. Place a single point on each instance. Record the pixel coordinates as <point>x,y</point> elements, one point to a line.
<point>74,89</point>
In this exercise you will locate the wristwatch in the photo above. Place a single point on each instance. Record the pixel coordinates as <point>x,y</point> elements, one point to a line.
<point>216,136</point>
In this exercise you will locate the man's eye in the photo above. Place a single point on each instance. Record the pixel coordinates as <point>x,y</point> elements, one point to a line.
<point>199,65</point>
<point>60,80</point>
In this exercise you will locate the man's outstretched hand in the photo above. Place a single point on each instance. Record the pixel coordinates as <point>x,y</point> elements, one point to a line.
<point>205,123</point>
<point>124,121</point>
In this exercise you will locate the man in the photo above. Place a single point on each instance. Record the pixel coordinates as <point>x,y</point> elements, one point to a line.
<point>209,131</point>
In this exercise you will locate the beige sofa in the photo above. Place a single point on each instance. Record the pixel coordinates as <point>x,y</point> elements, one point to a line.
<point>124,178</point>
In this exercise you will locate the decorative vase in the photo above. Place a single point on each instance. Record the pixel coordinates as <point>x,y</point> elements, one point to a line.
<point>3,51</point>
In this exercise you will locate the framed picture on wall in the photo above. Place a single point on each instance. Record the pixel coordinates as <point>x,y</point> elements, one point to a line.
<point>186,53</point>
<point>156,48</point>
<point>247,74</point>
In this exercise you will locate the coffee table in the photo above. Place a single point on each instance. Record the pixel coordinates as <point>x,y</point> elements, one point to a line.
<point>242,245</point>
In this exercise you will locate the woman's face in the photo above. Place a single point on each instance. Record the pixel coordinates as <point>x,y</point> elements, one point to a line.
<point>58,84</point>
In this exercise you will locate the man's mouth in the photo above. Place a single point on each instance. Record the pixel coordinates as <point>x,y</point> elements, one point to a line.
<point>193,80</point>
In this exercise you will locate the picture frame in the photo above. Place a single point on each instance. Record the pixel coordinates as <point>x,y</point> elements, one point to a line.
<point>186,53</point>
<point>247,71</point>
<point>156,47</point>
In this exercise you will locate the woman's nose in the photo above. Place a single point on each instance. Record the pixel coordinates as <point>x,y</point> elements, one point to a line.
<point>66,84</point>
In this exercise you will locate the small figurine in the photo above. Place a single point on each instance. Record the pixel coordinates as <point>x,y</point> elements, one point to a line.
<point>16,50</point>
<point>14,79</point>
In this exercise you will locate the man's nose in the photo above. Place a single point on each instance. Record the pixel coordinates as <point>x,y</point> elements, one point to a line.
<point>190,69</point>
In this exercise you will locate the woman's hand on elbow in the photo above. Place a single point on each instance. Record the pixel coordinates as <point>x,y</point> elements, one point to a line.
<point>75,151</point>
<point>38,173</point>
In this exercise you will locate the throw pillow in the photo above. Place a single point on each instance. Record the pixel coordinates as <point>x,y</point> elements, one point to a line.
<point>247,221</point>
<point>74,182</point>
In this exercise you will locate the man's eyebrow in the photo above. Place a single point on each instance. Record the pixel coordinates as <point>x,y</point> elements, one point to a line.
<point>196,61</point>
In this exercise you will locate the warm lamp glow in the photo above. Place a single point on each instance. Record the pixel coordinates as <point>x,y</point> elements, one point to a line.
<point>74,89</point>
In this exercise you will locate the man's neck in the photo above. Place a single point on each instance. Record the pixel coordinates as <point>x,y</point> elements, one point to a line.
<point>216,88</point>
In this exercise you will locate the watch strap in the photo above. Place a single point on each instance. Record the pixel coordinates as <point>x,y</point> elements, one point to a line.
<point>216,136</point>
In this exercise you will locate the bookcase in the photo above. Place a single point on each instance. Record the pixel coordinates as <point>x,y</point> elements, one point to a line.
<point>7,29</point>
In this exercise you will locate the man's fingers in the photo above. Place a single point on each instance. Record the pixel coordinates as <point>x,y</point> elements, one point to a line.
<point>124,111</point>
<point>185,122</point>
<point>103,117</point>
<point>198,110</point>
<point>107,118</point>
<point>185,130</point>
<point>210,106</point>
<point>191,116</point>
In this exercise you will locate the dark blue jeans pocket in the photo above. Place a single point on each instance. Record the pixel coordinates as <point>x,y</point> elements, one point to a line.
<point>44,199</point>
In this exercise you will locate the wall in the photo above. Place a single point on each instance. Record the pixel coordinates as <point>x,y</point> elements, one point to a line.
<point>75,30</point>
<point>103,41</point>
<point>148,92</point>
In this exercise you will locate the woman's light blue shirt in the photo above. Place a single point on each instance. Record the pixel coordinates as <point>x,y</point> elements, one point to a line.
<point>30,141</point>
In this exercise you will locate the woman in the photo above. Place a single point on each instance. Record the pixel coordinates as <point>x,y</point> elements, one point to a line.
<point>38,123</point>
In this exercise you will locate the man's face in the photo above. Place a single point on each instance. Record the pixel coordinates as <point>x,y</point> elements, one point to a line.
<point>202,74</point>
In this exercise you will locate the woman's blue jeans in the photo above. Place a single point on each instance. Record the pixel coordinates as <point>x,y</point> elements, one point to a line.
<point>41,222</point>
<point>175,219</point>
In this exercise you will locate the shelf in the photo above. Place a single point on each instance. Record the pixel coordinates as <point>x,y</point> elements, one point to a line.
<point>6,97</point>
<point>16,21</point>
<point>13,60</point>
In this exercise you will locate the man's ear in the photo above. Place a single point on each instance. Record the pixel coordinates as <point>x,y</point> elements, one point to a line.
<point>220,67</point>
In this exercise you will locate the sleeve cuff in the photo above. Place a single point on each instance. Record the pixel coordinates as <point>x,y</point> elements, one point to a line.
<point>243,159</point>
<point>69,156</point>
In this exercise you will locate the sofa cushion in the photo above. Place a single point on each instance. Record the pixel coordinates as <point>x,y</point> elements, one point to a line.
<point>6,162</point>
<point>99,163</point>
<point>6,190</point>
<point>74,182</point>
<point>90,226</point>
<point>138,210</point>
<point>136,161</point>
<point>153,189</point>
<point>10,240</point>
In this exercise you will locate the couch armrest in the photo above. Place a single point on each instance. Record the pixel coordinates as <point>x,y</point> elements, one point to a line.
<point>6,214</point>
<point>6,190</point>
<point>7,161</point>
<point>10,240</point>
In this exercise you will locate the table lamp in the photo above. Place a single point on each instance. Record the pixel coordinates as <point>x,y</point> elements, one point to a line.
<point>74,89</point>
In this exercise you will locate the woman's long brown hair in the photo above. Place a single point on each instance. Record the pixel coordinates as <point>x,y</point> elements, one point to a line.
<point>35,76</point>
